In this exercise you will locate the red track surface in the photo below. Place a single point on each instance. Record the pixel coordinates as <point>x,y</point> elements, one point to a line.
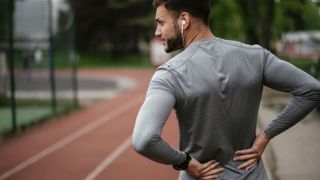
<point>73,146</point>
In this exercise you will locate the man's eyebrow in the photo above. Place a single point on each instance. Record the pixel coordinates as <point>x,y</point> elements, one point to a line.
<point>158,19</point>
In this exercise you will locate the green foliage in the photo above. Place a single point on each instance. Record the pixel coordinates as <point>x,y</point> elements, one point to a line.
<point>225,20</point>
<point>122,4</point>
<point>311,16</point>
<point>248,21</point>
<point>4,13</point>
<point>260,21</point>
<point>112,25</point>
<point>116,26</point>
<point>295,15</point>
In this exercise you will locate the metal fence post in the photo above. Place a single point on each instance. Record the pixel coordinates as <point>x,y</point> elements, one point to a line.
<point>11,60</point>
<point>51,61</point>
<point>74,60</point>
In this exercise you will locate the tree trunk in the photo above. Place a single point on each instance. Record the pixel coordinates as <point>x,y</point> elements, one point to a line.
<point>267,25</point>
<point>250,16</point>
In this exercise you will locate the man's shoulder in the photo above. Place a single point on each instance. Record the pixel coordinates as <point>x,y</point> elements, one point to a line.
<point>217,47</point>
<point>163,73</point>
<point>238,44</point>
<point>235,48</point>
<point>178,60</point>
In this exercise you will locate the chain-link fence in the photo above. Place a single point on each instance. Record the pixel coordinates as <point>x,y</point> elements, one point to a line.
<point>36,38</point>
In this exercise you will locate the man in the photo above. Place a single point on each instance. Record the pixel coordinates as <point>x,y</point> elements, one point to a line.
<point>215,87</point>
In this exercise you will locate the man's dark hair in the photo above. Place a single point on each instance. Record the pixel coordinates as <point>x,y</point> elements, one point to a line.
<point>197,8</point>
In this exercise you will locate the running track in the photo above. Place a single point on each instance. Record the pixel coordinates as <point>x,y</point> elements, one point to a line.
<point>91,143</point>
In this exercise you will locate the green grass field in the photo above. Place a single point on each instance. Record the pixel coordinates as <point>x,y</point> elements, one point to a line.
<point>103,60</point>
<point>25,115</point>
<point>93,59</point>
<point>29,113</point>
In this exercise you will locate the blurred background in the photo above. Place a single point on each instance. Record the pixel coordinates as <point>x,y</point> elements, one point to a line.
<point>39,36</point>
<point>44,43</point>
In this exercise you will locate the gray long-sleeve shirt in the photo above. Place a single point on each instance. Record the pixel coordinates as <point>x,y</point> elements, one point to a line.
<point>215,86</point>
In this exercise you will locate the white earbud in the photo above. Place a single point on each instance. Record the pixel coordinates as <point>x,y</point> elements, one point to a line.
<point>182,30</point>
<point>183,23</point>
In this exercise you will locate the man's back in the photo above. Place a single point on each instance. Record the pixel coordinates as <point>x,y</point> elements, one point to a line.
<point>217,85</point>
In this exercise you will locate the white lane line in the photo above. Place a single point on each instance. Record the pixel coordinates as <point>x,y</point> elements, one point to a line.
<point>72,137</point>
<point>106,162</point>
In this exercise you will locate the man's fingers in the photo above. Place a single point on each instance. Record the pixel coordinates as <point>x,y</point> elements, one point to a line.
<point>212,172</point>
<point>209,177</point>
<point>251,166</point>
<point>245,157</point>
<point>248,164</point>
<point>245,151</point>
<point>209,163</point>
<point>209,167</point>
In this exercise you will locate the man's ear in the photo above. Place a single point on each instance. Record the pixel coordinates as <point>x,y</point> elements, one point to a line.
<point>185,20</point>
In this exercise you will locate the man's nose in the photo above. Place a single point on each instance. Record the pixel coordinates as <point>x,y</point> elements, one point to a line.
<point>157,33</point>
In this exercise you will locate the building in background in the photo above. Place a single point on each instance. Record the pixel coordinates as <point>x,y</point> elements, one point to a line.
<point>304,44</point>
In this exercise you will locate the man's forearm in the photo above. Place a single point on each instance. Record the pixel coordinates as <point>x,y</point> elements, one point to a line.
<point>146,137</point>
<point>283,76</point>
<point>295,111</point>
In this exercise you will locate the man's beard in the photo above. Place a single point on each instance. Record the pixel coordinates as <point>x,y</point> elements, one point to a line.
<point>176,42</point>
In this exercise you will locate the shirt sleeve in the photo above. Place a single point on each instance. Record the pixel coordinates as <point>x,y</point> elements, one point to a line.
<point>283,76</point>
<point>151,118</point>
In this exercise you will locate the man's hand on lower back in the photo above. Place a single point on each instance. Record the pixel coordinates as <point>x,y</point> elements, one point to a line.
<point>253,154</point>
<point>208,170</point>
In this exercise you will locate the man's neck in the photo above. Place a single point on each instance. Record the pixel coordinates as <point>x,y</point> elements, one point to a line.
<point>198,33</point>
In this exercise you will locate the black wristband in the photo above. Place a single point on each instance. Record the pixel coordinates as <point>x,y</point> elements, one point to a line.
<point>184,164</point>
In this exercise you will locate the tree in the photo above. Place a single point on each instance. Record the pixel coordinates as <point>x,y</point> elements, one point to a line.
<point>112,25</point>
<point>296,15</point>
<point>258,16</point>
<point>267,23</point>
<point>245,20</point>
<point>225,20</point>
<point>118,25</point>
<point>260,21</point>
<point>4,14</point>
<point>250,15</point>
